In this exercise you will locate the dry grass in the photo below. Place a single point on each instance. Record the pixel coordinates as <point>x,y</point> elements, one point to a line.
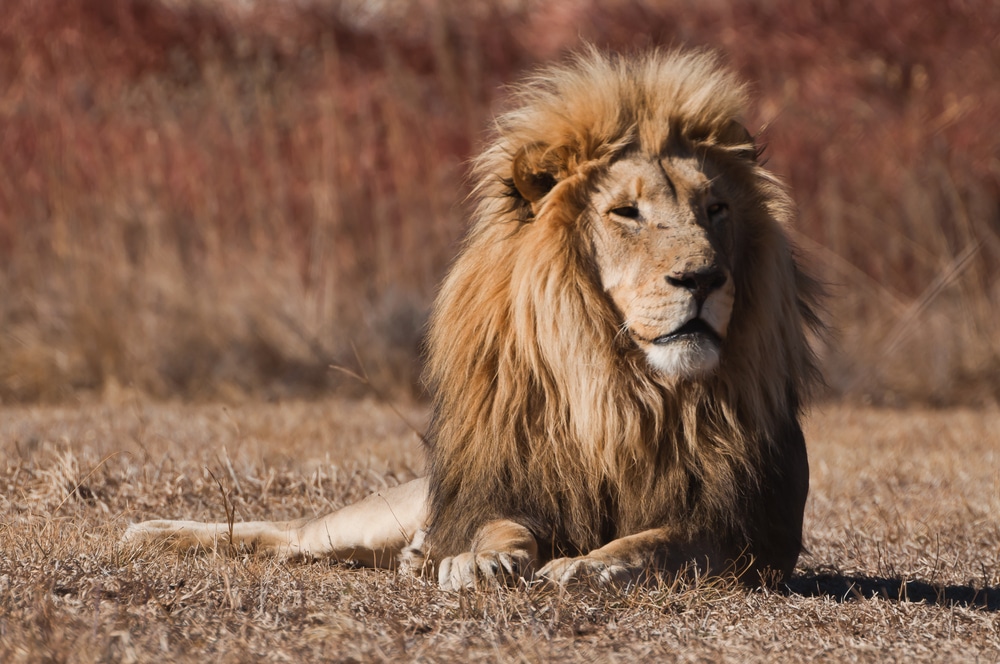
<point>902,527</point>
<point>204,201</point>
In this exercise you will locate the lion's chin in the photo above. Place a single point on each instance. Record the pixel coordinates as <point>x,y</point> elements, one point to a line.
<point>686,358</point>
<point>690,351</point>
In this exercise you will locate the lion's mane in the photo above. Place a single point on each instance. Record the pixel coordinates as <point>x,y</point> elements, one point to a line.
<point>544,412</point>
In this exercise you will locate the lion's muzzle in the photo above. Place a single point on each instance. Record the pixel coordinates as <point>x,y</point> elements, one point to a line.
<point>700,282</point>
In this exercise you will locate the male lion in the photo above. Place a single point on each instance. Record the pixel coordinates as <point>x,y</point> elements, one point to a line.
<point>617,357</point>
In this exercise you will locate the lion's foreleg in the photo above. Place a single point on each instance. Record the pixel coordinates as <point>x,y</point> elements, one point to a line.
<point>629,559</point>
<point>372,532</point>
<point>502,552</point>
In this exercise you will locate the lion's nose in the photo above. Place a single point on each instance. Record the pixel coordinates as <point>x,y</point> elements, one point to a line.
<point>700,282</point>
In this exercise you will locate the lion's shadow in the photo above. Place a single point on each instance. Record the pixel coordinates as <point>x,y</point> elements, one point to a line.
<point>848,588</point>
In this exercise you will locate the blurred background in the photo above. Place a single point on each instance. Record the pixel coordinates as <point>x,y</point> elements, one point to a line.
<point>212,199</point>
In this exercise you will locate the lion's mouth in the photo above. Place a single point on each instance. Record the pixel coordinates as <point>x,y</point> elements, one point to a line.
<point>694,329</point>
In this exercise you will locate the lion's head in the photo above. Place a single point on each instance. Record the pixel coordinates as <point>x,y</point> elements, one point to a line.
<point>623,336</point>
<point>663,246</point>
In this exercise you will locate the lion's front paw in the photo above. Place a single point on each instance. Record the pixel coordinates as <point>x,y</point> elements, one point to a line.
<point>471,570</point>
<point>585,569</point>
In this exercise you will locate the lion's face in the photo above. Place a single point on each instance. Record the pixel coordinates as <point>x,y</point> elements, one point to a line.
<point>662,240</point>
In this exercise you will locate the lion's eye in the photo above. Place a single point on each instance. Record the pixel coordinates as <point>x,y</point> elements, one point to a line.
<point>626,212</point>
<point>717,212</point>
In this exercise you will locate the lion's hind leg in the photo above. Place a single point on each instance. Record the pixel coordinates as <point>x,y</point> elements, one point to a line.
<point>372,532</point>
<point>278,538</point>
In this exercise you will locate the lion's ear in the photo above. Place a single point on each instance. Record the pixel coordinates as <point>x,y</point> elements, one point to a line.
<point>737,136</point>
<point>531,178</point>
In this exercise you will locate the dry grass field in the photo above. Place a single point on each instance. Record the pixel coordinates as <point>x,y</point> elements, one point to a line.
<point>903,531</point>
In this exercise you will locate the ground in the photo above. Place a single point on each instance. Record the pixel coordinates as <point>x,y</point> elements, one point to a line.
<point>902,527</point>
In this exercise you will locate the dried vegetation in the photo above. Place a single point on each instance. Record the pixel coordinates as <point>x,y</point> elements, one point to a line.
<point>219,199</point>
<point>902,529</point>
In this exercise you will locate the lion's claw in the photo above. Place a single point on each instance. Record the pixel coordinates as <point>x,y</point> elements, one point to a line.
<point>470,570</point>
<point>585,570</point>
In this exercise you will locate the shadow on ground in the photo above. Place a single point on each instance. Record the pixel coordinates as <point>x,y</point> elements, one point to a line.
<point>847,588</point>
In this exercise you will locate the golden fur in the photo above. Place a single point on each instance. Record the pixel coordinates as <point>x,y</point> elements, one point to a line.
<point>617,357</point>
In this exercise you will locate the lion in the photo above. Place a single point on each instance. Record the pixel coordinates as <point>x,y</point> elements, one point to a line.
<point>618,357</point>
